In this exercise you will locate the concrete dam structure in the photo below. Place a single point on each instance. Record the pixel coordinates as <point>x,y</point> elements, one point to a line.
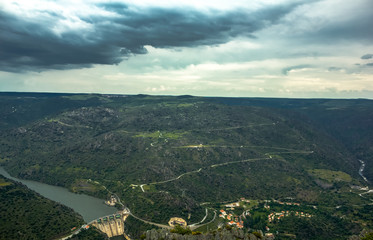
<point>112,225</point>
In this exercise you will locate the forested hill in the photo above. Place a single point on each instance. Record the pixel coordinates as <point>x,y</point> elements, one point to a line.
<point>347,122</point>
<point>169,156</point>
<point>27,215</point>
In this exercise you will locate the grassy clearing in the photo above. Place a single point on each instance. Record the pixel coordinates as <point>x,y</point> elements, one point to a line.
<point>211,226</point>
<point>87,97</point>
<point>4,160</point>
<point>249,205</point>
<point>149,188</point>
<point>330,176</point>
<point>174,135</point>
<point>84,186</point>
<point>148,135</point>
<point>185,105</point>
<point>158,134</point>
<point>79,97</point>
<point>53,120</point>
<point>4,183</point>
<point>178,105</point>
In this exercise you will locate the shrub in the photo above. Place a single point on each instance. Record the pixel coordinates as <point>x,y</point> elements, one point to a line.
<point>181,230</point>
<point>369,236</point>
<point>257,234</point>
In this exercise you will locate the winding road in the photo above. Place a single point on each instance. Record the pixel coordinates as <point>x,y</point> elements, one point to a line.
<point>362,169</point>
<point>290,151</point>
<point>192,227</point>
<point>152,223</point>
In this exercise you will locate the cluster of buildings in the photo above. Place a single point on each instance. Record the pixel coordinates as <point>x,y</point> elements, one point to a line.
<point>236,224</point>
<point>236,204</point>
<point>278,215</point>
<point>233,220</point>
<point>233,205</point>
<point>236,221</point>
<point>286,203</point>
<point>223,214</point>
<point>112,201</point>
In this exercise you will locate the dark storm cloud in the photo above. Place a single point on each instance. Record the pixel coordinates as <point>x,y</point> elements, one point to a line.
<point>367,56</point>
<point>33,46</point>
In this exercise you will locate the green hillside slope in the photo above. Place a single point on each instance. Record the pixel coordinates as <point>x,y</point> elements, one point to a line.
<point>167,156</point>
<point>27,215</point>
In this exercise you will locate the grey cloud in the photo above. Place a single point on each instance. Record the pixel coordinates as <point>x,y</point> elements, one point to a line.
<point>369,64</point>
<point>334,69</point>
<point>32,46</point>
<point>367,56</point>
<point>285,71</point>
<point>357,27</point>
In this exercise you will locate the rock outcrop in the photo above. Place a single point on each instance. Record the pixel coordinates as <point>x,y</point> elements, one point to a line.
<point>222,234</point>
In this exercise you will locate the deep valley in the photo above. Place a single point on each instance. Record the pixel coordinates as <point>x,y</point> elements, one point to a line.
<point>187,157</point>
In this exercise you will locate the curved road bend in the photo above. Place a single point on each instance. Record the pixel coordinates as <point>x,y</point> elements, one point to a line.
<point>201,225</point>
<point>192,227</point>
<point>203,219</point>
<point>152,223</point>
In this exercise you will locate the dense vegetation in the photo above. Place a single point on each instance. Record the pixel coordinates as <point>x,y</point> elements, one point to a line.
<point>90,234</point>
<point>229,148</point>
<point>135,228</point>
<point>27,215</point>
<point>319,227</point>
<point>180,233</point>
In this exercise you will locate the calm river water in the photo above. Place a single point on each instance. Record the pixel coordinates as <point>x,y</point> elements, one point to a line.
<point>89,207</point>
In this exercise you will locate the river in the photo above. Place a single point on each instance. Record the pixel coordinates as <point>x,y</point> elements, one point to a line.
<point>89,207</point>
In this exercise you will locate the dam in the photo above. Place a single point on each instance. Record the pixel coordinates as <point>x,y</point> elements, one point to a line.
<point>112,225</point>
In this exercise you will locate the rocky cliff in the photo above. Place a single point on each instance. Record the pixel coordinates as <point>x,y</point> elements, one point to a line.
<point>221,234</point>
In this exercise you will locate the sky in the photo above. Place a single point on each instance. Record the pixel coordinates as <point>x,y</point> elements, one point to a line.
<point>237,48</point>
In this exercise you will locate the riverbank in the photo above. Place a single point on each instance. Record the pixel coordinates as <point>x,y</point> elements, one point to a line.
<point>90,208</point>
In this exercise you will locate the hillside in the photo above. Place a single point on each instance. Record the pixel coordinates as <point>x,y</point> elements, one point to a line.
<point>169,156</point>
<point>221,233</point>
<point>27,215</point>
